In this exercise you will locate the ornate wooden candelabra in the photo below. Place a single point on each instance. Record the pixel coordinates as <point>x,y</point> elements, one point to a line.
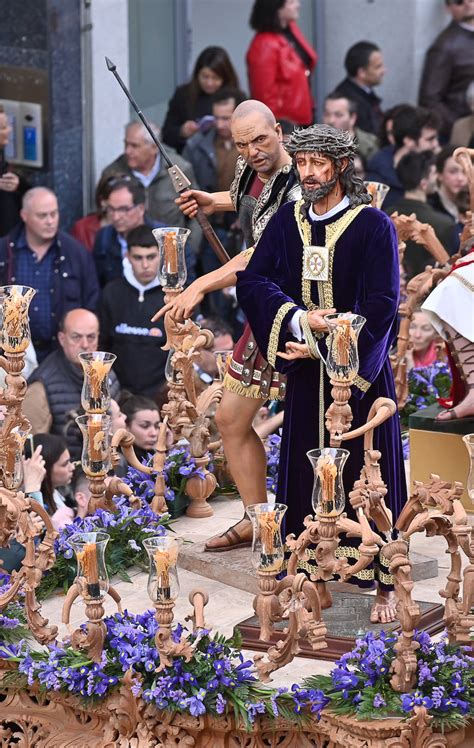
<point>163,589</point>
<point>185,410</point>
<point>92,584</point>
<point>17,510</point>
<point>296,596</point>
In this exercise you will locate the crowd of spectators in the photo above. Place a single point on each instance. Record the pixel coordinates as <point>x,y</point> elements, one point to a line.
<point>97,284</point>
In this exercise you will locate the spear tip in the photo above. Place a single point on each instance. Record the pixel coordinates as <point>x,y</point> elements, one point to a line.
<point>110,65</point>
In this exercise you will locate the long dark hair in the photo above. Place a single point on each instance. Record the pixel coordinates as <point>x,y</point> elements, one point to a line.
<point>217,60</point>
<point>264,15</point>
<point>53,447</point>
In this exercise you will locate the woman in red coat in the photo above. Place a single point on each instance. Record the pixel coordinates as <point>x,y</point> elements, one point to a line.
<point>280,61</point>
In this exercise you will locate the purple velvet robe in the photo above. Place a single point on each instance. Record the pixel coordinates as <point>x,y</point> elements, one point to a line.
<point>365,281</point>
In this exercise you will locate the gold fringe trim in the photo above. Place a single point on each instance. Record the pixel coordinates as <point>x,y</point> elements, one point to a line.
<point>253,390</point>
<point>347,551</point>
<point>275,331</point>
<point>362,383</point>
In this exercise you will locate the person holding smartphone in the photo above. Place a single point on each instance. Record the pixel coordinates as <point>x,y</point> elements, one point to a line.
<point>12,186</point>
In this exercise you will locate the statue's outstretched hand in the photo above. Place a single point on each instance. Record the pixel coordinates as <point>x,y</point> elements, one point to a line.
<point>183,305</point>
<point>294,351</point>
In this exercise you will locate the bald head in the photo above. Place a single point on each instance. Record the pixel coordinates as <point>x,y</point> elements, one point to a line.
<point>79,334</point>
<point>254,107</point>
<point>35,195</point>
<point>40,215</point>
<point>258,138</point>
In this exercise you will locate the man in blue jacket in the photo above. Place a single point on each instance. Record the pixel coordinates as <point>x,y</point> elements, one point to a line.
<point>37,253</point>
<point>126,210</point>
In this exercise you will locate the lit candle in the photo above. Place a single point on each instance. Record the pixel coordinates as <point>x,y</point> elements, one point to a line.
<point>171,253</point>
<point>342,341</point>
<point>88,560</point>
<point>267,526</point>
<point>164,559</point>
<point>327,472</point>
<point>96,441</point>
<point>96,372</point>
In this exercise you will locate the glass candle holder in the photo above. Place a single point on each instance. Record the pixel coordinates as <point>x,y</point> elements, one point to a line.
<point>468,440</point>
<point>15,303</point>
<point>342,363</point>
<point>92,577</point>
<point>96,437</point>
<point>14,444</point>
<point>223,359</point>
<point>267,543</point>
<point>171,375</point>
<point>163,582</point>
<point>328,497</point>
<point>172,271</point>
<point>95,396</point>
<point>379,191</point>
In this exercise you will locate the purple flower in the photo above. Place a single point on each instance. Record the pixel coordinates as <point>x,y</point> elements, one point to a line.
<point>196,704</point>
<point>379,701</point>
<point>221,704</point>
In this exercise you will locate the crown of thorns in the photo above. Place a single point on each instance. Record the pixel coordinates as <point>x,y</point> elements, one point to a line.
<point>322,139</point>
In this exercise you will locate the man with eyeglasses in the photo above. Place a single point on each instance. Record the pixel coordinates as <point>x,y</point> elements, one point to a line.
<point>142,160</point>
<point>37,253</point>
<point>126,210</point>
<point>449,67</point>
<point>54,389</point>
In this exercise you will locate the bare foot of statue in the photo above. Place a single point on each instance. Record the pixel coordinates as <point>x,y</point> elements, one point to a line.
<point>325,597</point>
<point>384,607</point>
<point>237,536</point>
<point>464,409</point>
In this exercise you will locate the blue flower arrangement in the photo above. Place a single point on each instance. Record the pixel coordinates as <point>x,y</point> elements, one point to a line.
<point>127,529</point>
<point>425,386</point>
<point>216,680</point>
<point>359,684</point>
<point>179,466</point>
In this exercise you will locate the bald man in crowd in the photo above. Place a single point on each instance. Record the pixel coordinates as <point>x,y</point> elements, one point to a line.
<point>37,253</point>
<point>264,180</point>
<point>53,397</point>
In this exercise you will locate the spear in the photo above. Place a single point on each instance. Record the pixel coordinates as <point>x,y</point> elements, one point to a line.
<point>179,180</point>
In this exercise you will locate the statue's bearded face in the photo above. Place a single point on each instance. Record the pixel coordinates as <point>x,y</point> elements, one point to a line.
<point>317,174</point>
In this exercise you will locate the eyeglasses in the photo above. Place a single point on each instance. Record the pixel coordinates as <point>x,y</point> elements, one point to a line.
<point>122,210</point>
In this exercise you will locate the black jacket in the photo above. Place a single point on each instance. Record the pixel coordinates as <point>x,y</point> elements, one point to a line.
<point>107,252</point>
<point>369,113</point>
<point>181,108</point>
<point>126,330</point>
<point>10,205</point>
<point>62,381</point>
<point>447,72</point>
<point>74,282</point>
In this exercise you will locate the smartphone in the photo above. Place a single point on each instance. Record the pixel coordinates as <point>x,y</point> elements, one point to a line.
<point>29,447</point>
<point>206,122</point>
